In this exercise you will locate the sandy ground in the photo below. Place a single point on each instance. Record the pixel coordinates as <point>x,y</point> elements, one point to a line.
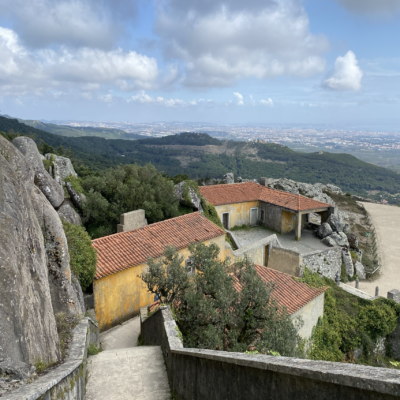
<point>386,221</point>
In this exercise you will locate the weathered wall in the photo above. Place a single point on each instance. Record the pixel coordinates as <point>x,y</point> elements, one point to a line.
<point>239,213</point>
<point>327,262</point>
<point>256,250</point>
<point>273,216</point>
<point>120,296</point>
<point>310,314</point>
<point>284,260</point>
<point>288,221</point>
<point>68,381</point>
<point>214,375</point>
<point>132,220</point>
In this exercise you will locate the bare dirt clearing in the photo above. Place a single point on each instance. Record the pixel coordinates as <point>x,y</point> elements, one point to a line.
<point>386,220</point>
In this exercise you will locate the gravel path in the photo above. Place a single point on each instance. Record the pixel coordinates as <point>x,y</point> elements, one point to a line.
<point>386,220</point>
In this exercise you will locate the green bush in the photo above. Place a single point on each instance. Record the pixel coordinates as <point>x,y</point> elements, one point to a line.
<point>211,213</point>
<point>83,256</point>
<point>48,163</point>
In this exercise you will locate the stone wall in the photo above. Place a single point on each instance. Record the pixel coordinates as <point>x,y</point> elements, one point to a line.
<point>68,381</point>
<point>284,260</point>
<point>273,216</point>
<point>213,375</point>
<point>327,262</point>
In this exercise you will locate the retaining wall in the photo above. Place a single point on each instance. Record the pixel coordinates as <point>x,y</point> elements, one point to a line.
<point>68,381</point>
<point>196,374</point>
<point>328,262</point>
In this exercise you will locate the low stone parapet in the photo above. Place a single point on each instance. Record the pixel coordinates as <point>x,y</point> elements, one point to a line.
<point>67,381</point>
<point>214,375</point>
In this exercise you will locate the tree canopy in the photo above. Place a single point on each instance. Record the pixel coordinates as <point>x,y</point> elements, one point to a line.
<point>212,313</point>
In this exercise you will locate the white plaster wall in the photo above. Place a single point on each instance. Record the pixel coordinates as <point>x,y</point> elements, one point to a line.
<point>310,314</point>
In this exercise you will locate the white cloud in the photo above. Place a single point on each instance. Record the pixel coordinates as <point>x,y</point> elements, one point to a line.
<point>347,75</point>
<point>220,42</point>
<point>239,99</point>
<point>143,98</point>
<point>268,103</point>
<point>77,23</point>
<point>371,7</point>
<point>25,71</point>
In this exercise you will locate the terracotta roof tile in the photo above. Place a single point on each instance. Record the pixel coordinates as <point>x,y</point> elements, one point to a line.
<point>127,249</point>
<point>287,292</point>
<point>251,191</point>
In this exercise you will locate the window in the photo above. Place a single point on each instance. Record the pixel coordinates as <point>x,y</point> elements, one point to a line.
<point>262,215</point>
<point>190,269</point>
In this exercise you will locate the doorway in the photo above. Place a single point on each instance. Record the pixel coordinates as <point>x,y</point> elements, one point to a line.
<point>266,255</point>
<point>225,220</point>
<point>253,216</point>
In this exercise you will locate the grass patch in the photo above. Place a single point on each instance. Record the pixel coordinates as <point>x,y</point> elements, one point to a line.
<point>243,227</point>
<point>93,350</point>
<point>65,326</point>
<point>140,341</point>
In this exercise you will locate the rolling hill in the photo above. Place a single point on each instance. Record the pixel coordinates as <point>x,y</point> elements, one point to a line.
<point>199,155</point>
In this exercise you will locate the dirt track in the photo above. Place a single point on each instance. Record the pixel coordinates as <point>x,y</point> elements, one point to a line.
<point>386,221</point>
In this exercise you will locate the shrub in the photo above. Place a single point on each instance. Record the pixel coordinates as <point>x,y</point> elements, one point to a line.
<point>211,213</point>
<point>83,256</point>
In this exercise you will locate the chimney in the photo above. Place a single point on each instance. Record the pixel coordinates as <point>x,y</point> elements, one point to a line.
<point>132,220</point>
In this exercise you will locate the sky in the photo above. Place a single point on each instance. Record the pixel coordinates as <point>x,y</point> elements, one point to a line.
<point>331,62</point>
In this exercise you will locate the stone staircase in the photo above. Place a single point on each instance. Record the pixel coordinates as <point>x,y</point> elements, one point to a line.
<point>135,372</point>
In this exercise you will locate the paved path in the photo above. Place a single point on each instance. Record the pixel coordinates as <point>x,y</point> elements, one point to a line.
<point>124,371</point>
<point>386,220</point>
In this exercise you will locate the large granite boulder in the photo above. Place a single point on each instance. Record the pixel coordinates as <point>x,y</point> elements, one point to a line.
<point>63,296</point>
<point>187,196</point>
<point>348,262</point>
<point>328,241</point>
<point>229,178</point>
<point>360,270</point>
<point>324,230</point>
<point>28,331</point>
<point>335,223</point>
<point>62,168</point>
<point>48,186</point>
<point>79,199</point>
<point>340,239</point>
<point>68,213</point>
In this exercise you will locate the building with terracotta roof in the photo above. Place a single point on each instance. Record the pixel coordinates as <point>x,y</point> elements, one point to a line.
<point>253,204</point>
<point>119,292</point>
<point>299,299</point>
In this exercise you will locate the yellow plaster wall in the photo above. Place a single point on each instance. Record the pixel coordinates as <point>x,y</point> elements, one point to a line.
<point>239,212</point>
<point>119,297</point>
<point>288,221</point>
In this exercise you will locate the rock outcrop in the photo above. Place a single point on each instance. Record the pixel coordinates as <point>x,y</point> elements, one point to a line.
<point>340,238</point>
<point>49,187</point>
<point>229,178</point>
<point>63,296</point>
<point>335,223</point>
<point>187,196</point>
<point>78,199</point>
<point>68,213</point>
<point>316,191</point>
<point>328,241</point>
<point>360,270</point>
<point>62,168</point>
<point>28,331</point>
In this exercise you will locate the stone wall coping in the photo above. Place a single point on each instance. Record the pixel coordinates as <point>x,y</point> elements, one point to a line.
<point>313,253</point>
<point>356,292</point>
<point>255,245</point>
<point>381,380</point>
<point>40,386</point>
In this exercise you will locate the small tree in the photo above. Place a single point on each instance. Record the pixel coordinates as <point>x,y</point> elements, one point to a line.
<point>167,278</point>
<point>222,307</point>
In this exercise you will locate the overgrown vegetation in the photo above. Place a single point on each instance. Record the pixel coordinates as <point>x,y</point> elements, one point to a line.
<point>351,323</point>
<point>123,189</point>
<point>65,326</point>
<point>49,163</point>
<point>209,310</point>
<point>93,350</point>
<point>83,256</point>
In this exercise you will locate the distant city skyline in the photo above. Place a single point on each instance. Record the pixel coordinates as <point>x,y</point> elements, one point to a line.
<point>329,62</point>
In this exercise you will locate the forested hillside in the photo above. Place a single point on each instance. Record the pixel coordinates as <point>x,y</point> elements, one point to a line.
<point>199,155</point>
